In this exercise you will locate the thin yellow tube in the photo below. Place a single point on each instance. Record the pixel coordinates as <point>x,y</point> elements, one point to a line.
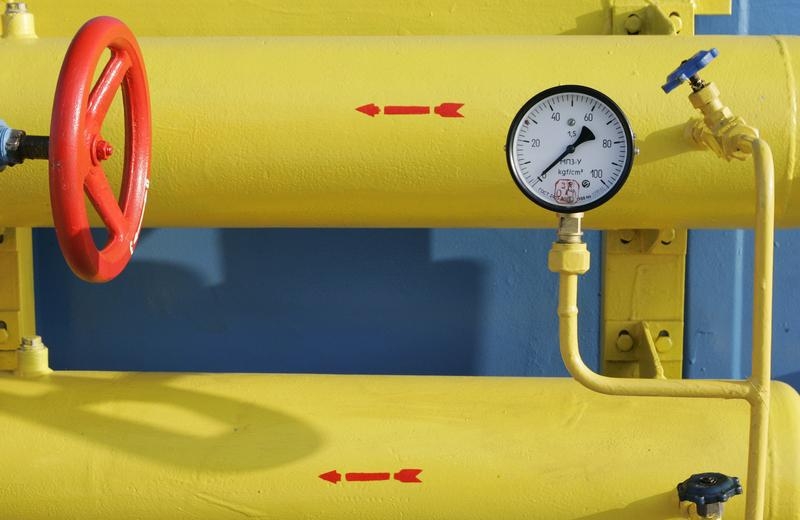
<point>755,389</point>
<point>568,325</point>
<point>759,396</point>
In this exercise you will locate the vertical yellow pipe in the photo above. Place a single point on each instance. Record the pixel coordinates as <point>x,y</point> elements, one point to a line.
<point>762,330</point>
<point>572,260</point>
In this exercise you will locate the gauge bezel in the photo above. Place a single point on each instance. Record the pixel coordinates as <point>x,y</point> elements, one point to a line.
<point>570,89</point>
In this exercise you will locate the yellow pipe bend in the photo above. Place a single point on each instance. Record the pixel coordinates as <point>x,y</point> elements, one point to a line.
<point>755,390</point>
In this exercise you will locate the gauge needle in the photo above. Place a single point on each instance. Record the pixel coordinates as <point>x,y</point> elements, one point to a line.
<point>586,135</point>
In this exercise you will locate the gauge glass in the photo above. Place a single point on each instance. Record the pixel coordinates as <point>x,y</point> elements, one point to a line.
<point>570,148</point>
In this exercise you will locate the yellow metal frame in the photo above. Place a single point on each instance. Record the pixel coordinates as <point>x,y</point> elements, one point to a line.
<point>16,293</point>
<point>644,277</point>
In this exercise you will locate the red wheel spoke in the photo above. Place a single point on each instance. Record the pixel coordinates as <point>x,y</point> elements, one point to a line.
<point>104,201</point>
<point>106,88</point>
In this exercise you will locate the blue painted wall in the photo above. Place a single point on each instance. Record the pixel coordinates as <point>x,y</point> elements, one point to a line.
<point>415,301</point>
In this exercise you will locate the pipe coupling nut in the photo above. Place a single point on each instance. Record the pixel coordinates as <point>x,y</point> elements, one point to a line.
<point>568,258</point>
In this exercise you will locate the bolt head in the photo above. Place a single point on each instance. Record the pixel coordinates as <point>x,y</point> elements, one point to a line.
<point>664,343</point>
<point>626,236</point>
<point>633,24</point>
<point>31,343</point>
<point>625,341</point>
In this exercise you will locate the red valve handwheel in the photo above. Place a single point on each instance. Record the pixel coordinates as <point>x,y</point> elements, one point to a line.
<point>77,149</point>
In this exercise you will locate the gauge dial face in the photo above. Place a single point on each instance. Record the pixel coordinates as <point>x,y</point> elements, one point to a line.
<point>570,148</point>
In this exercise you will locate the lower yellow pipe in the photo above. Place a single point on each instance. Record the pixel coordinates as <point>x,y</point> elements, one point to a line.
<point>572,260</point>
<point>131,445</point>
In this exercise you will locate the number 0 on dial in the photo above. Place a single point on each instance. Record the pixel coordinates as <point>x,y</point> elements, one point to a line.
<point>570,148</point>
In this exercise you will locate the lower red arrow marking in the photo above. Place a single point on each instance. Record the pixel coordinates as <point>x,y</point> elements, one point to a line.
<point>404,475</point>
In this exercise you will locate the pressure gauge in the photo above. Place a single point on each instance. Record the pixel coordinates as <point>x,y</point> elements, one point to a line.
<point>570,148</point>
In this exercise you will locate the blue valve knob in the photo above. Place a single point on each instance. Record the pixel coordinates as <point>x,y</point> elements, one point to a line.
<point>708,491</point>
<point>689,68</point>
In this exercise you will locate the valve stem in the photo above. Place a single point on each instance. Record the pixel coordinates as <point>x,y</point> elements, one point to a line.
<point>20,146</point>
<point>696,83</point>
<point>34,147</point>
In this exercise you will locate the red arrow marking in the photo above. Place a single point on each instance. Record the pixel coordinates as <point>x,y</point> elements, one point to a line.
<point>443,110</point>
<point>404,475</point>
<point>366,477</point>
<point>449,109</point>
<point>332,476</point>
<point>371,110</point>
<point>405,110</point>
<point>408,475</point>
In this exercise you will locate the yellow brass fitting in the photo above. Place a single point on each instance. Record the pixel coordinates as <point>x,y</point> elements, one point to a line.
<point>568,258</point>
<point>18,22</point>
<point>726,134</point>
<point>32,358</point>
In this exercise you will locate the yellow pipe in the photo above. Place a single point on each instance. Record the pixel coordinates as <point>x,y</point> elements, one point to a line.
<point>132,445</point>
<point>568,333</point>
<point>264,132</point>
<point>571,260</point>
<point>762,328</point>
<point>355,17</point>
<point>334,17</point>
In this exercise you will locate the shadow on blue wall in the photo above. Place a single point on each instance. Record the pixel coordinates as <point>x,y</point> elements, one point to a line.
<point>332,301</point>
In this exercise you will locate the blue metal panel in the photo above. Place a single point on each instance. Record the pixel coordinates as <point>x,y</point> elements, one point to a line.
<point>341,301</point>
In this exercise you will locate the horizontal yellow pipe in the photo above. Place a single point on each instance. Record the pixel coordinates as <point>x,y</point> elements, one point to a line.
<point>132,445</point>
<point>349,17</point>
<point>264,131</point>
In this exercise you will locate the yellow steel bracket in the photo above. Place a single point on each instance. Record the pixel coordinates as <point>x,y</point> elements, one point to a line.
<point>662,16</point>
<point>644,269</point>
<point>17,316</point>
<point>653,17</point>
<point>643,294</point>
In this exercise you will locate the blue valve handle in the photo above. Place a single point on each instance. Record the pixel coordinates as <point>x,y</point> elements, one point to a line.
<point>689,68</point>
<point>705,489</point>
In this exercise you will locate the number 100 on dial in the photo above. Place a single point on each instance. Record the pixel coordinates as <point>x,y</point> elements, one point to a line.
<point>570,148</point>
